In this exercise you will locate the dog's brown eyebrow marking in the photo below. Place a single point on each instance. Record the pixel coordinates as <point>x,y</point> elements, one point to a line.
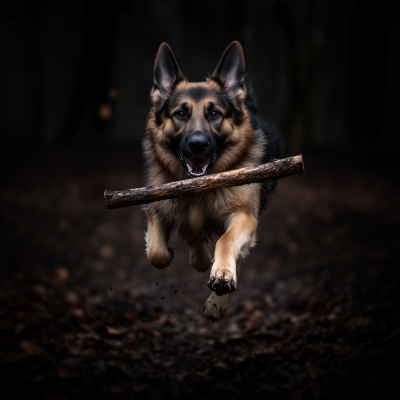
<point>197,92</point>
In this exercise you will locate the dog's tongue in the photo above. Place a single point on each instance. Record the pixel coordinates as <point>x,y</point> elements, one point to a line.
<point>197,162</point>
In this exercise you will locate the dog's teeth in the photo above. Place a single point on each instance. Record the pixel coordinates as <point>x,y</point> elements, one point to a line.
<point>204,168</point>
<point>190,168</point>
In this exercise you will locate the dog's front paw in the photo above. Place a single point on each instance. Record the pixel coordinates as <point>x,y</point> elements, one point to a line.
<point>222,279</point>
<point>215,307</point>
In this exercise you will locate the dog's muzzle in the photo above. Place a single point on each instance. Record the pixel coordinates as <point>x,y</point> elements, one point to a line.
<point>197,153</point>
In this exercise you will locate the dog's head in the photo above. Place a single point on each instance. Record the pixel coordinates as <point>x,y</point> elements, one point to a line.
<point>204,126</point>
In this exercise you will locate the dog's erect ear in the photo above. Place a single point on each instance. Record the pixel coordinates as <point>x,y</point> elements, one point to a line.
<point>230,69</point>
<point>166,71</point>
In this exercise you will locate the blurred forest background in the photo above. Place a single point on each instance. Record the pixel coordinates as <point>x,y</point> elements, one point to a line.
<point>325,72</point>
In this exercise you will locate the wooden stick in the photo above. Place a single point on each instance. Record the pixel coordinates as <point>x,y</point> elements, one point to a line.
<point>273,170</point>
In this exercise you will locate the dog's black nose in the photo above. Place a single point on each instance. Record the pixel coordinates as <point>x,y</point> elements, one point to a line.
<point>198,143</point>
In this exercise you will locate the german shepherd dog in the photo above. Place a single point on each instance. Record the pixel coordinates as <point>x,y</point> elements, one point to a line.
<point>195,129</point>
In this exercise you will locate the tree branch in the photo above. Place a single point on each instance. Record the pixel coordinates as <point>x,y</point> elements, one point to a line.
<point>273,170</point>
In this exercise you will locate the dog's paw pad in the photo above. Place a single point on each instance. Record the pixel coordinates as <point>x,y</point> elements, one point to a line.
<point>221,286</point>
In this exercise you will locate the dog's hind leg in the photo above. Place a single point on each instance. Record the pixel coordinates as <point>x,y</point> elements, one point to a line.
<point>215,306</point>
<point>157,236</point>
<point>200,256</point>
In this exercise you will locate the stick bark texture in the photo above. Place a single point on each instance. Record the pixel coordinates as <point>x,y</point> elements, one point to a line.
<point>273,170</point>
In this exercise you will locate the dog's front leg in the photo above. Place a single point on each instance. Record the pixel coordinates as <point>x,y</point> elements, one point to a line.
<point>232,246</point>
<point>157,236</point>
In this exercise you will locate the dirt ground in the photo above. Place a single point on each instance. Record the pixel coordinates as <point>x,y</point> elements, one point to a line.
<point>83,313</point>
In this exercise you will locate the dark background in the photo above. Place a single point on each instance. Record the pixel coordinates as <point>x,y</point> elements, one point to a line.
<point>326,72</point>
<point>82,313</point>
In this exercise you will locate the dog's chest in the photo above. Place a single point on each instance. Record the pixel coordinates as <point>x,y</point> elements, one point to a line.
<point>208,211</point>
<point>192,213</point>
<point>195,217</point>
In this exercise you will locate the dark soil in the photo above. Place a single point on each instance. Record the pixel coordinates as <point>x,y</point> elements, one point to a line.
<point>84,315</point>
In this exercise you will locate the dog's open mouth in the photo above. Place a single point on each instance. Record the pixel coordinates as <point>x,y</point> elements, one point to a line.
<point>197,166</point>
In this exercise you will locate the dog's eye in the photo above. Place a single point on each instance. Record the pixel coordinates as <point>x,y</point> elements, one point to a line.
<point>180,114</point>
<point>214,114</point>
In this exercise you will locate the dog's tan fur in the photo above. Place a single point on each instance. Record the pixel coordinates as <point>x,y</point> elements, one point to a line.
<point>230,214</point>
